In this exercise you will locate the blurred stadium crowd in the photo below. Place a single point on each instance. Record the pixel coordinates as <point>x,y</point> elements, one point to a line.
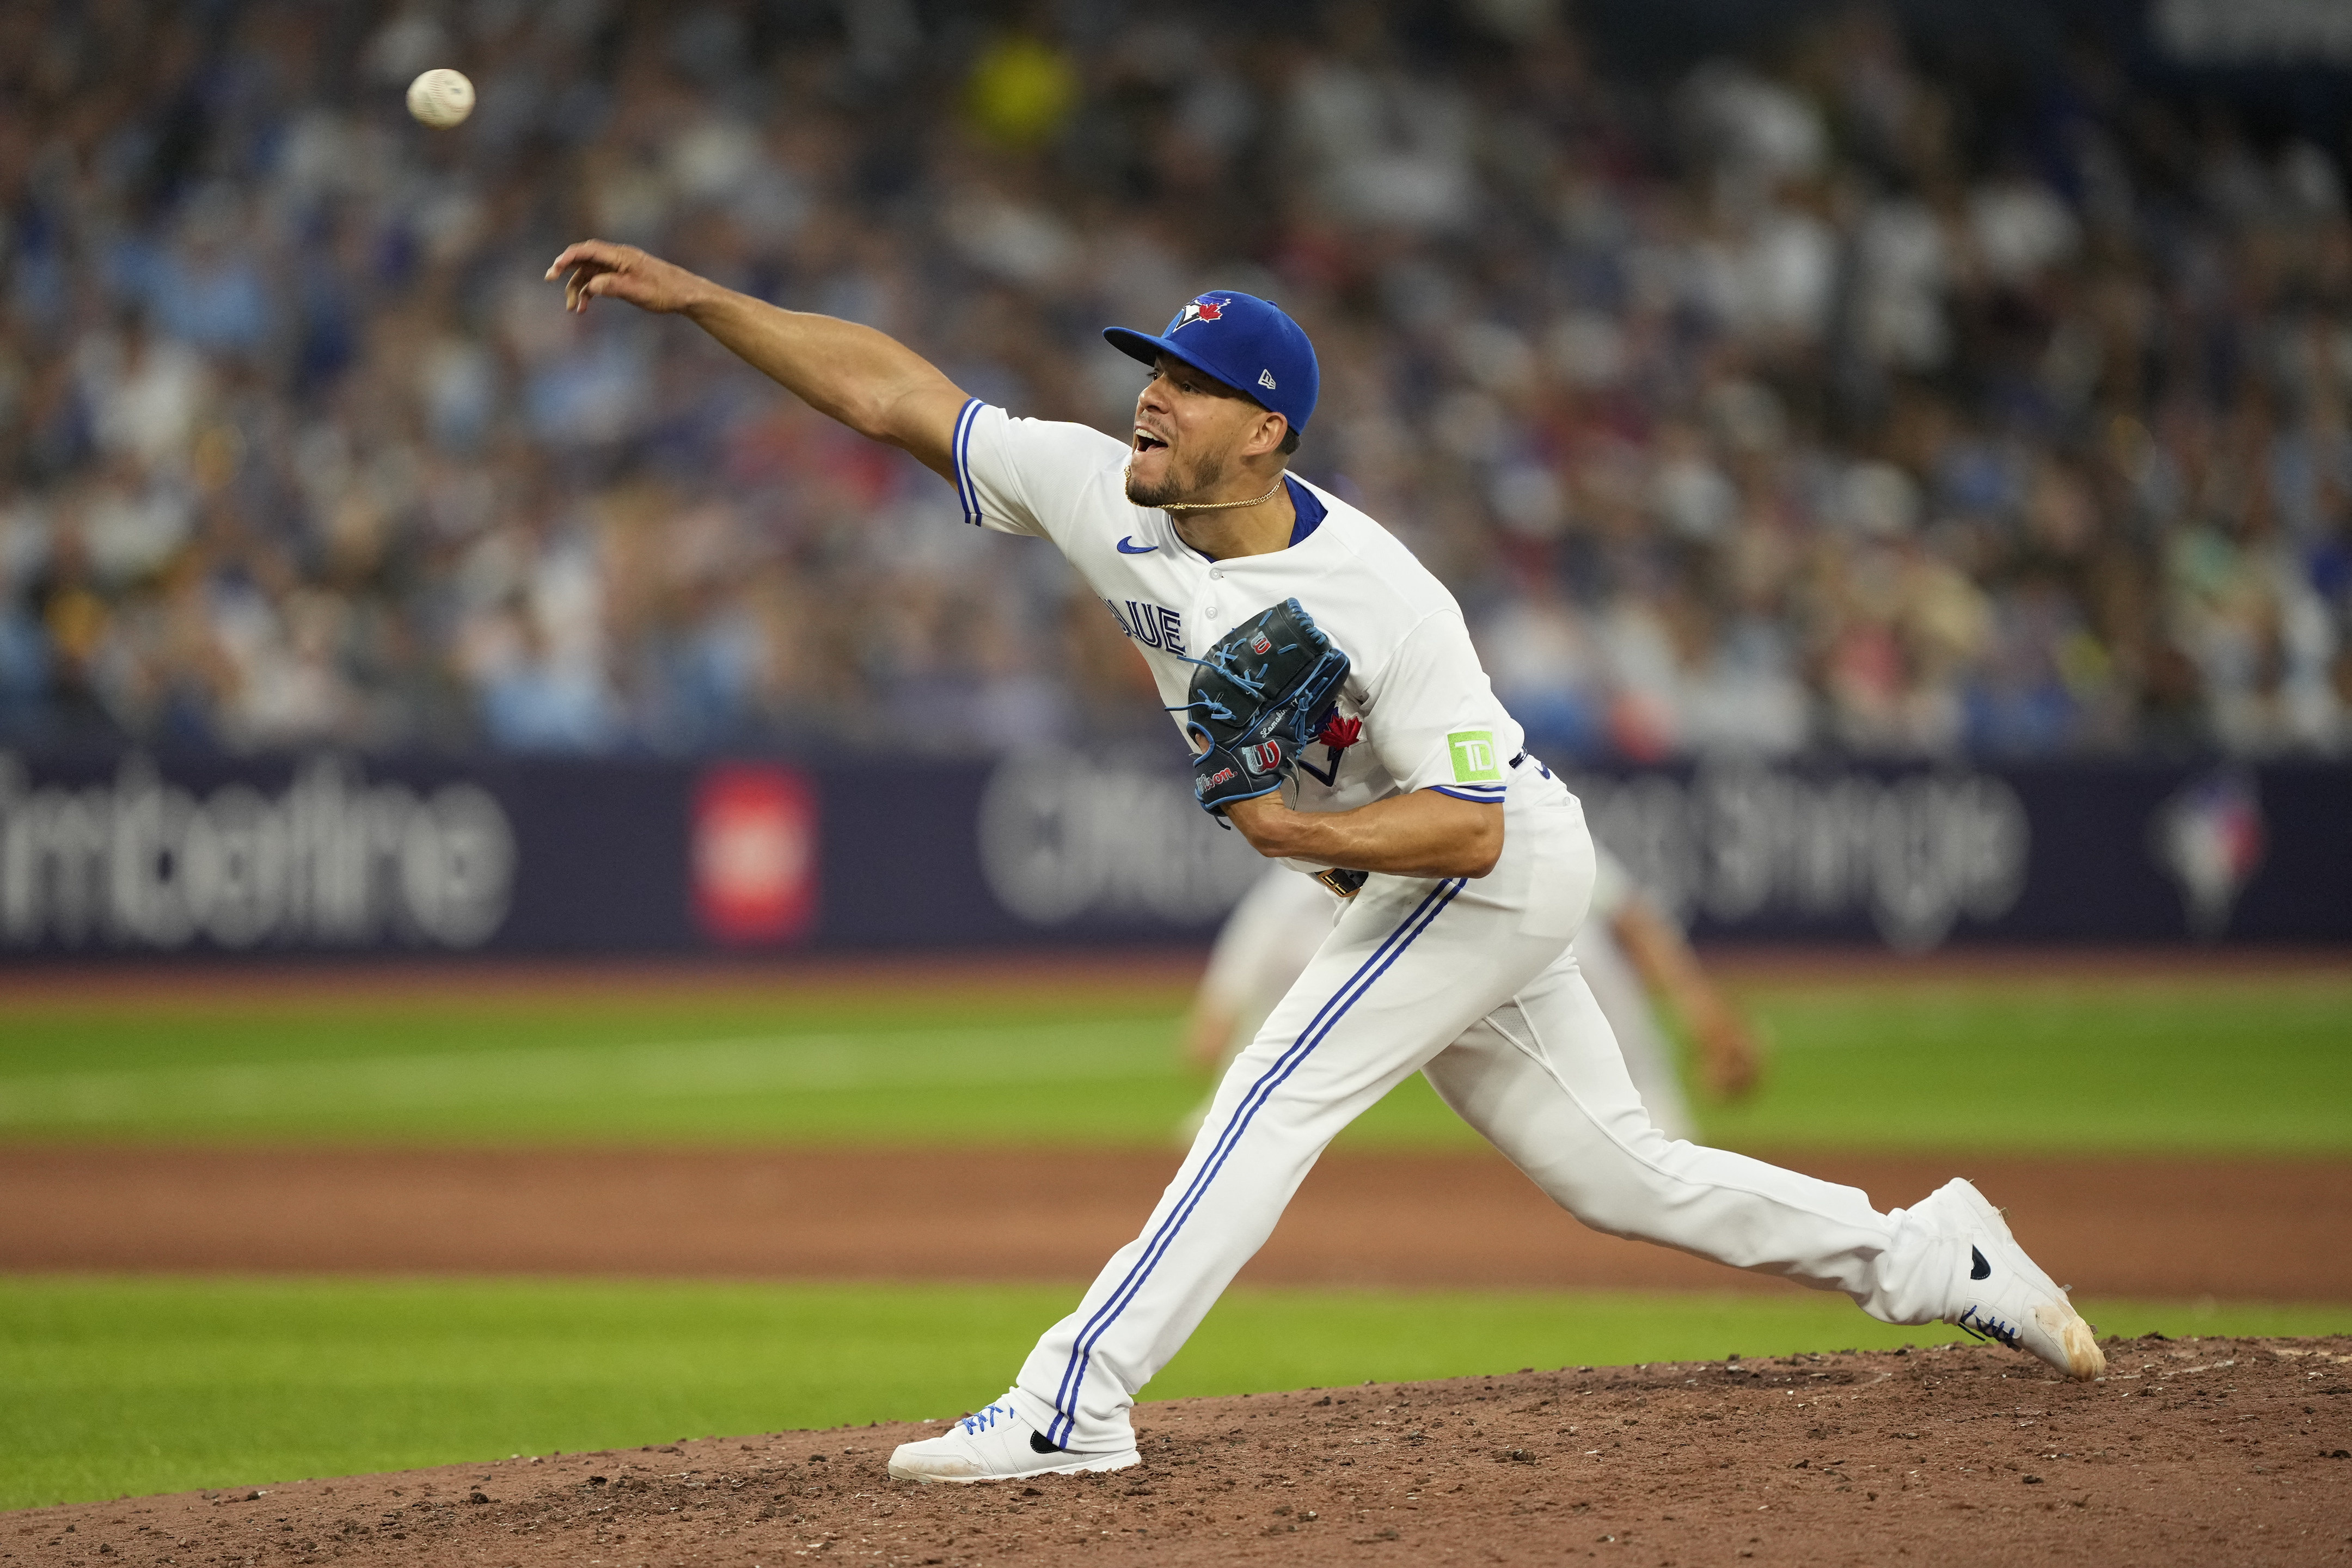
<point>1819,399</point>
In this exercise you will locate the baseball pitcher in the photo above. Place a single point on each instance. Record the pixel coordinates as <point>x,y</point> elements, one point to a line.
<point>1341,722</point>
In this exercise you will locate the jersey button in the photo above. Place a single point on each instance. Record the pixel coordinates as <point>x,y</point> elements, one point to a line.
<point>1216,574</point>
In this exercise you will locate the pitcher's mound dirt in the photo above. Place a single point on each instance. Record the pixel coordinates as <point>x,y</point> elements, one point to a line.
<point>2204,1451</point>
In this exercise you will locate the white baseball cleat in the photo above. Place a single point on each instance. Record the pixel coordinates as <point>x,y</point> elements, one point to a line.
<point>2005,1296</point>
<point>996,1445</point>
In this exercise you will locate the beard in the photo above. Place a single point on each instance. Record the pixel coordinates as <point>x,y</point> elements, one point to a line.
<point>1176,488</point>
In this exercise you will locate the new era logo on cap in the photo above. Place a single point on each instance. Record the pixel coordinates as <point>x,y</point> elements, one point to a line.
<point>1265,379</point>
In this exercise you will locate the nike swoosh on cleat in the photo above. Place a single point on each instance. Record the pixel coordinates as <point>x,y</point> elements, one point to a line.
<point>1128,546</point>
<point>1038,1442</point>
<point>1979,1268</point>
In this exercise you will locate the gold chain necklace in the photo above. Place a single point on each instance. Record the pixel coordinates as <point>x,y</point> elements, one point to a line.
<point>1216,505</point>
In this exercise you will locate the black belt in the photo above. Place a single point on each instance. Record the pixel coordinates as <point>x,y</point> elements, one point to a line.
<point>1343,883</point>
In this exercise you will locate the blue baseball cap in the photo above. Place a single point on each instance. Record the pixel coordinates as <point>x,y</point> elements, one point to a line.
<point>1244,341</point>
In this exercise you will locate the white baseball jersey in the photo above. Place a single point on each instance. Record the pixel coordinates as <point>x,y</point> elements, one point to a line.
<point>1469,980</point>
<point>1430,719</point>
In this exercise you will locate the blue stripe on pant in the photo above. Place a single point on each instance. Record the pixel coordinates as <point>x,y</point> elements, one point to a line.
<point>1318,1028</point>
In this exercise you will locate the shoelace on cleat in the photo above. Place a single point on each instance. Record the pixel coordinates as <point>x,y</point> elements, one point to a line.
<point>980,1420</point>
<point>1978,1325</point>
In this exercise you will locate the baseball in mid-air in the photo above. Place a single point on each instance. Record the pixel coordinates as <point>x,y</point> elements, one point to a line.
<point>441,98</point>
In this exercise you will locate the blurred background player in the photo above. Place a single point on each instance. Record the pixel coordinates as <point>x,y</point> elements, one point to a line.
<point>1629,950</point>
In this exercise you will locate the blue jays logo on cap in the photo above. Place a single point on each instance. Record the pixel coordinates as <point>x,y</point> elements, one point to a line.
<point>1248,343</point>
<point>1200,310</point>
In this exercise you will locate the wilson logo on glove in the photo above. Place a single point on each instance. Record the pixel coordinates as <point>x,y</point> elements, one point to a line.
<point>1263,758</point>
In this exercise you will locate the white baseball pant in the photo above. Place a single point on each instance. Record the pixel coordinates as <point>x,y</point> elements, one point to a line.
<point>1473,982</point>
<point>1633,1021</point>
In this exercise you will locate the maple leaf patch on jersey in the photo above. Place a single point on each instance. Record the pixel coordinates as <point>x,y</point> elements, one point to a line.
<point>1340,734</point>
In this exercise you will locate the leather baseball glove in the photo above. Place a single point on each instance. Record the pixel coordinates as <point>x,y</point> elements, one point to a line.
<point>1260,694</point>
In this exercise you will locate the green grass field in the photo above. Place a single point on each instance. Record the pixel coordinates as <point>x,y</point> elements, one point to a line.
<point>109,1386</point>
<point>2211,1065</point>
<point>122,1386</point>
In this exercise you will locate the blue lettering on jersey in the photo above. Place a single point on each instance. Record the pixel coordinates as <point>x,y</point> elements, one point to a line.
<point>1153,626</point>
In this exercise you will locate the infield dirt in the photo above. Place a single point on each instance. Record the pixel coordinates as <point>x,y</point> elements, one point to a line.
<point>2239,1229</point>
<point>2205,1451</point>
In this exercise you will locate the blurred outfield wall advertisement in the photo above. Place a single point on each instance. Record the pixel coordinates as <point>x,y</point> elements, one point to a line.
<point>215,857</point>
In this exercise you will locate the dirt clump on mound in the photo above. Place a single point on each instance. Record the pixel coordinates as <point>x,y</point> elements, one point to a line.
<point>2211,1451</point>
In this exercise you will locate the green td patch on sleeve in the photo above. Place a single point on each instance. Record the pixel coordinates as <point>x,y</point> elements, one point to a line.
<point>1474,756</point>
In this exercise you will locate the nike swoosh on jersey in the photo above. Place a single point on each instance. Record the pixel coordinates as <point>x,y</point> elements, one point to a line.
<point>1128,546</point>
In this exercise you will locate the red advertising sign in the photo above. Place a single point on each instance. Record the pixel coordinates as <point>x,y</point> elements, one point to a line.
<point>755,860</point>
